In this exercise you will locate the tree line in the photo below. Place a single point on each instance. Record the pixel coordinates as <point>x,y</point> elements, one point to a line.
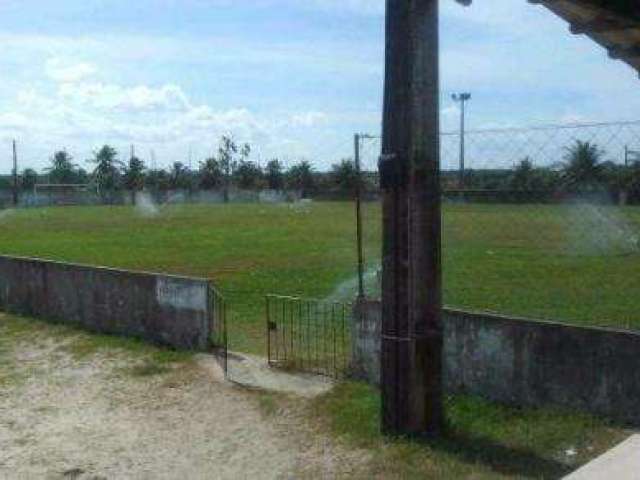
<point>230,167</point>
<point>583,170</point>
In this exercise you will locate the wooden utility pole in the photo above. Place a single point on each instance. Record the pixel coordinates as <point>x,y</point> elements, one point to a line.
<point>15,175</point>
<point>409,171</point>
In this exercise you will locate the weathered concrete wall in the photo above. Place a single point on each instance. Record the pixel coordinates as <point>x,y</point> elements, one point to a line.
<point>524,362</point>
<point>168,310</point>
<point>365,341</point>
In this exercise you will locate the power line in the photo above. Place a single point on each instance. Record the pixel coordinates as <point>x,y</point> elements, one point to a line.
<point>561,126</point>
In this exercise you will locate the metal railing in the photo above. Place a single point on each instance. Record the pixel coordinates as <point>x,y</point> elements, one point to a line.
<point>312,336</point>
<point>218,326</point>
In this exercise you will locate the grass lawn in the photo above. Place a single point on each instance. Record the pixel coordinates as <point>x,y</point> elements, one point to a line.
<point>483,441</point>
<point>572,263</point>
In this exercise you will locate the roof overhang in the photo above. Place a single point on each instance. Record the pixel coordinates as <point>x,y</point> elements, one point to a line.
<point>614,24</point>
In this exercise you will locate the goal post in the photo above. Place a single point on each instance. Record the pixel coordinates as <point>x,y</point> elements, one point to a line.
<point>61,193</point>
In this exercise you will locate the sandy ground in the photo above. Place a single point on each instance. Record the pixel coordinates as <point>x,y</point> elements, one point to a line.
<point>86,419</point>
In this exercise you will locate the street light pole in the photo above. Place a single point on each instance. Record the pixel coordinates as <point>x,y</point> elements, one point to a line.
<point>462,98</point>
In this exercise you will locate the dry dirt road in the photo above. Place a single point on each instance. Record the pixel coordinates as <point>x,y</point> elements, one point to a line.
<point>90,418</point>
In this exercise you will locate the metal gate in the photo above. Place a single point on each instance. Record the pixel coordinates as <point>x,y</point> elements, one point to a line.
<point>218,326</point>
<point>312,336</point>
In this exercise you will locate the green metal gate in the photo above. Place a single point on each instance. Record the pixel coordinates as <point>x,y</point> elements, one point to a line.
<point>218,327</point>
<point>312,336</point>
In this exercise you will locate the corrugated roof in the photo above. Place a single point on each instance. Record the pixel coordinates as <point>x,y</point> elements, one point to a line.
<point>614,24</point>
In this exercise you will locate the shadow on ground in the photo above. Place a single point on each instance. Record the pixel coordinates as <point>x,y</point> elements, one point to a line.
<point>507,460</point>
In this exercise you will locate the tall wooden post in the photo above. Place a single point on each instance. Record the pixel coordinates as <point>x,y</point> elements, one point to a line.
<point>409,172</point>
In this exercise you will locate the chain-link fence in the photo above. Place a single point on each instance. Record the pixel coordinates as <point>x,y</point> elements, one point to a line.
<point>555,236</point>
<point>544,146</point>
<point>546,223</point>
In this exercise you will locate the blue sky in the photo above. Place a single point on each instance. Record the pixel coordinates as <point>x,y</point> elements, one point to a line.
<point>295,78</point>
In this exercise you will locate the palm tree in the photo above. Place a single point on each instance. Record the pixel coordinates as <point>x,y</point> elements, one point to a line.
<point>180,176</point>
<point>583,169</point>
<point>29,178</point>
<point>62,169</point>
<point>344,175</point>
<point>523,177</point>
<point>300,177</point>
<point>248,175</point>
<point>107,172</point>
<point>274,175</point>
<point>211,174</point>
<point>134,176</point>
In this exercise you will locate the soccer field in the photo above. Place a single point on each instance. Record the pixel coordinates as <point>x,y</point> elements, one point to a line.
<point>579,264</point>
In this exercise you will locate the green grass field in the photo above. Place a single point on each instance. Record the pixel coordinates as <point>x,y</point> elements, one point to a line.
<point>573,264</point>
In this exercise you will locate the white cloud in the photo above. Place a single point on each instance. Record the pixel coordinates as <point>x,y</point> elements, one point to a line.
<point>127,99</point>
<point>309,119</point>
<point>84,114</point>
<point>13,121</point>
<point>362,7</point>
<point>63,72</point>
<point>286,88</point>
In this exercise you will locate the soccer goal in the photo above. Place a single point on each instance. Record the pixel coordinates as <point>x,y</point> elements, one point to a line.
<point>62,194</point>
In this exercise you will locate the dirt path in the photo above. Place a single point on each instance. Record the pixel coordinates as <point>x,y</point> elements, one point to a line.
<point>87,419</point>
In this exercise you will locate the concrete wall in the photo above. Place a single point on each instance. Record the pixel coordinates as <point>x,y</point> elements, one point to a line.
<point>365,341</point>
<point>45,198</point>
<point>524,362</point>
<point>168,310</point>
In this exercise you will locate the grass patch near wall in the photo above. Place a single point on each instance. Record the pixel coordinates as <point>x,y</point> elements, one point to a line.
<point>483,440</point>
<point>81,345</point>
<point>15,330</point>
<point>268,404</point>
<point>85,344</point>
<point>573,263</point>
<point>148,369</point>
<point>8,375</point>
